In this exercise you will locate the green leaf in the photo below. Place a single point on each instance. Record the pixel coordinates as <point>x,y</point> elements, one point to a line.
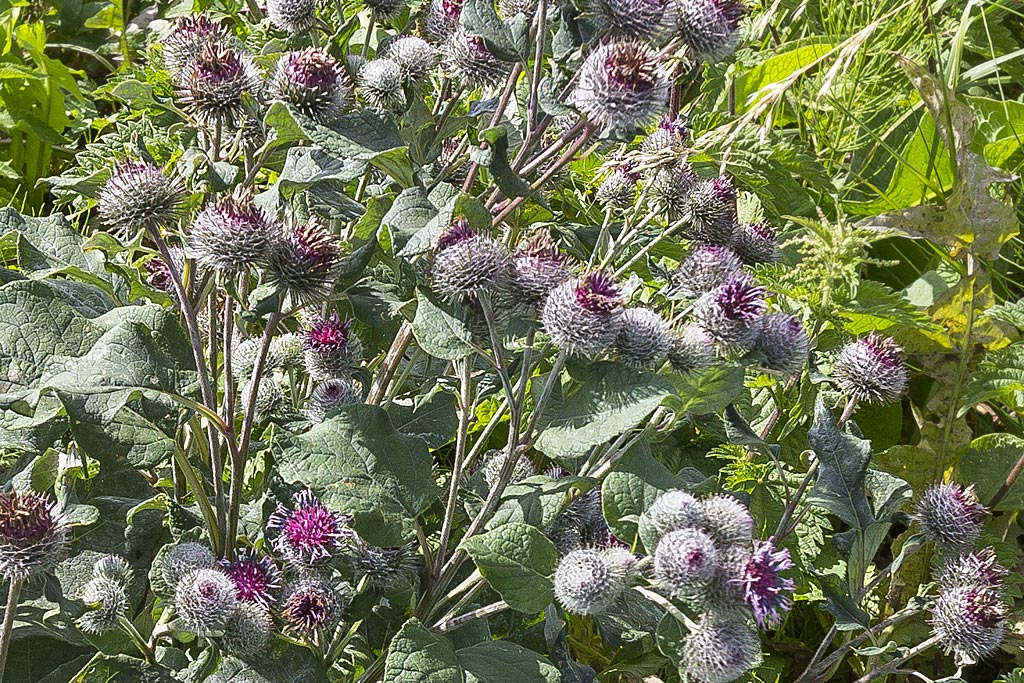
<point>990,458</point>
<point>630,488</point>
<point>844,458</point>
<point>999,375</point>
<point>614,398</point>
<point>495,158</point>
<point>285,663</point>
<point>784,61</point>
<point>479,18</point>
<point>438,330</point>
<point>107,669</point>
<point>708,391</point>
<point>536,501</point>
<point>409,213</point>
<point>435,421</point>
<point>499,661</point>
<point>358,464</point>
<point>418,656</point>
<point>517,560</point>
<point>1011,313</point>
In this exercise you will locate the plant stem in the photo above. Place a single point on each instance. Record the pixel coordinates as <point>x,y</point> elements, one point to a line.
<point>893,665</point>
<point>390,363</point>
<point>137,638</point>
<point>483,612</point>
<point>201,498</point>
<point>782,530</point>
<point>465,407</point>
<point>506,96</point>
<point>13,594</point>
<point>1007,484</point>
<point>549,385</point>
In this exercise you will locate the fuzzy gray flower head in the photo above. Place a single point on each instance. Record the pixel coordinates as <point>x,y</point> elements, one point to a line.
<point>644,339</point>
<point>302,262</point>
<point>685,562</point>
<point>583,316</point>
<point>214,87</point>
<point>382,85</point>
<point>669,188</point>
<point>33,534</point>
<point>386,10</point>
<point>232,234</point>
<point>268,397</point>
<point>617,192</point>
<point>285,352</point>
<point>970,621</point>
<point>205,600</point>
<point>383,568</point>
<point>692,349</point>
<point>589,581</point>
<point>247,633</point>
<point>467,264</point>
<point>675,510</point>
<point>443,19</point>
<point>107,600</point>
<point>976,568</point>
<point>138,195</point>
<point>756,243</point>
<point>708,27</point>
<point>293,16</point>
<point>467,59</point>
<point>950,516</point>
<point>730,312</point>
<point>712,211</point>
<point>621,86</point>
<point>671,135</point>
<point>329,396</point>
<point>310,604</point>
<point>706,267</point>
<point>494,461</point>
<point>113,567</point>
<point>413,55</point>
<point>539,266</point>
<point>313,82</point>
<point>623,19</point>
<point>720,650</point>
<point>783,342</point>
<point>871,370</point>
<point>184,558</point>
<point>727,521</point>
<point>189,37</point>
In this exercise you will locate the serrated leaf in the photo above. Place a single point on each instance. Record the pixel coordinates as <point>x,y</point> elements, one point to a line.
<point>990,458</point>
<point>842,473</point>
<point>499,661</point>
<point>438,330</point>
<point>418,656</point>
<point>517,560</point>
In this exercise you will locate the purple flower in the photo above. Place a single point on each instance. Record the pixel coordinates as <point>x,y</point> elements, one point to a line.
<point>33,534</point>
<point>328,334</point>
<point>303,261</point>
<point>621,86</point>
<point>871,369</point>
<point>767,593</point>
<point>597,293</point>
<point>309,533</point>
<point>729,312</point>
<point>311,604</point>
<point>256,578</point>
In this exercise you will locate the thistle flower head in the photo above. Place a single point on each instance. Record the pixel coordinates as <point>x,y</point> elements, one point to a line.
<point>756,243</point>
<point>302,262</point>
<point>628,18</point>
<point>467,264</point>
<point>247,633</point>
<point>310,604</point>
<point>730,312</point>
<point>332,349</point>
<point>232,234</point>
<point>706,267</point>
<point>720,650</point>
<point>467,59</point>
<point>383,568</point>
<point>621,86</point>
<point>671,135</point>
<point>494,461</point>
<point>783,342</point>
<point>268,399</point>
<point>618,190</point>
<point>443,19</point>
<point>767,593</point>
<point>727,521</point>
<point>257,579</point>
<point>138,195</point>
<point>33,534</point>
<point>293,16</point>
<point>692,349</point>
<point>950,516</point>
<point>669,188</point>
<point>214,86</point>
<point>583,315</point>
<point>539,266</point>
<point>184,558</point>
<point>285,351</point>
<point>976,568</point>
<point>589,581</point>
<point>205,600</point>
<point>675,510</point>
<point>685,562</point>
<point>308,533</point>
<point>112,567</point>
<point>644,339</point>
<point>189,37</point>
<point>329,395</point>
<point>708,27</point>
<point>107,600</point>
<point>413,55</point>
<point>386,9</point>
<point>970,620</point>
<point>382,85</point>
<point>871,369</point>
<point>313,82</point>
<point>712,209</point>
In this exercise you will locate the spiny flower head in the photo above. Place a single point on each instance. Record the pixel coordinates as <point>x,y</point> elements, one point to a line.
<point>189,37</point>
<point>413,55</point>
<point>706,267</point>
<point>494,462</point>
<point>730,311</point>
<point>247,633</point>
<point>184,558</point>
<point>583,315</point>
<point>467,264</point>
<point>332,350</point>
<point>974,568</point>
<point>443,19</point>
<point>285,352</point>
<point>383,568</point>
<point>970,620</point>
<point>33,534</point>
<point>644,339</point>
<point>467,59</point>
<point>674,510</point>
<point>310,604</point>
<point>313,82</point>
<point>782,340</point>
<point>257,579</point>
<point>669,188</point>
<point>268,399</point>
<point>685,562</point>
<point>113,567</point>
<point>671,135</point>
<point>215,84</point>
<point>308,533</point>
<point>386,9</point>
<point>618,190</point>
<point>950,516</point>
<point>293,16</point>
<point>871,369</point>
<point>382,85</point>
<point>767,593</point>
<point>628,18</point>
<point>539,266</point>
<point>138,195</point>
<point>302,262</point>
<point>712,208</point>
<point>692,349</point>
<point>231,234</point>
<point>621,86</point>
<point>107,600</point>
<point>205,600</point>
<point>720,650</point>
<point>756,243</point>
<point>589,581</point>
<point>329,395</point>
<point>727,521</point>
<point>708,27</point>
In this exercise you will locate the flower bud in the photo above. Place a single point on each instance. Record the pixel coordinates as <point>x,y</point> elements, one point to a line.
<point>383,568</point>
<point>231,235</point>
<point>205,601</point>
<point>756,243</point>
<point>720,650</point>
<point>671,134</point>
<point>970,620</point>
<point>628,18</point>
<point>413,55</point>
<point>621,86</point>
<point>108,602</point>
<point>583,316</point>
<point>332,349</point>
<point>712,209</point>
<point>184,558</point>
<point>644,339</point>
<point>467,264</point>
<point>685,562</point>
<point>302,263</point>
<point>293,16</point>
<point>708,27</point>
<point>539,267</point>
<point>782,340</point>
<point>467,59</point>
<point>871,369</point>
<point>675,510</point>
<point>382,85</point>
<point>589,581</point>
<point>33,534</point>
<point>727,521</point>
<point>247,633</point>
<point>618,190</point>
<point>313,82</point>
<point>692,349</point>
<point>269,397</point>
<point>330,395</point>
<point>189,37</point>
<point>114,568</point>
<point>706,267</point>
<point>138,195</point>
<point>950,516</point>
<point>214,86</point>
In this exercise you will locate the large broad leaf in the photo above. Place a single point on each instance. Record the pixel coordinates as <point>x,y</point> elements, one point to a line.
<point>358,464</point>
<point>613,399</point>
<point>499,661</point>
<point>435,420</point>
<point>107,669</point>
<point>418,656</point>
<point>986,464</point>
<point>707,391</point>
<point>1000,375</point>
<point>630,488</point>
<point>286,663</point>
<point>842,472</point>
<point>410,212</point>
<point>49,246</point>
<point>438,329</point>
<point>535,501</point>
<point>517,560</point>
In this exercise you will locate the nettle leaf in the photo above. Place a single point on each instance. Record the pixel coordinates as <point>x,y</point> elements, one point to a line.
<point>418,656</point>
<point>986,464</point>
<point>438,329</point>
<point>517,560</point>
<point>1000,375</point>
<point>613,399</point>
<point>630,488</point>
<point>358,464</point>
<point>842,473</point>
<point>499,661</point>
